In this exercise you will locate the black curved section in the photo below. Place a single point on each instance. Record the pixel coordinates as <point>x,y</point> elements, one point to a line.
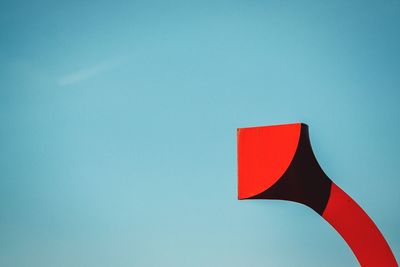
<point>304,180</point>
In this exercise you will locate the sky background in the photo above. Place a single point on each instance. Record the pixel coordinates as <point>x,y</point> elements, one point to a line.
<point>118,128</point>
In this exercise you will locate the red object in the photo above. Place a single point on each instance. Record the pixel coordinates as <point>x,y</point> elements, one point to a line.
<point>273,144</point>
<point>277,162</point>
<point>358,230</point>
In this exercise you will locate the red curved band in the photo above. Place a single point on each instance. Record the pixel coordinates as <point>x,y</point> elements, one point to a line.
<point>358,230</point>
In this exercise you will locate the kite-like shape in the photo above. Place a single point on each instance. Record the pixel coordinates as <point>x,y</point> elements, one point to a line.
<point>277,162</point>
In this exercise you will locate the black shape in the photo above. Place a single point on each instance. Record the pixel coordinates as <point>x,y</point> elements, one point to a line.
<point>304,181</point>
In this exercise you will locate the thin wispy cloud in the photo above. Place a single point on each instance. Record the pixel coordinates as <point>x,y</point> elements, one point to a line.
<point>87,73</point>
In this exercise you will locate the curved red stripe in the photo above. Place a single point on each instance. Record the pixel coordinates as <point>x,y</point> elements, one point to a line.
<point>358,230</point>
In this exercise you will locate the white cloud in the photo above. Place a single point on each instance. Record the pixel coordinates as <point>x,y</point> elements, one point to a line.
<point>86,73</point>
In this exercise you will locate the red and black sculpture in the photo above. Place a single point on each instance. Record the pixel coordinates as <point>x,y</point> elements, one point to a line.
<point>277,162</point>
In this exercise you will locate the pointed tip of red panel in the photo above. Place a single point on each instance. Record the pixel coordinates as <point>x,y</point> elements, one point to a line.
<point>264,154</point>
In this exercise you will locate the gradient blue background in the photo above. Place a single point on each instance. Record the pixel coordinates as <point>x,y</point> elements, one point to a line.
<point>118,128</point>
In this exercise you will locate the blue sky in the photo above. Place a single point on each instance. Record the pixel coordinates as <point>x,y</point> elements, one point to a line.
<point>118,128</point>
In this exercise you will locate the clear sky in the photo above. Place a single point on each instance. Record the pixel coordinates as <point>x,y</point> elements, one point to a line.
<point>118,128</point>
